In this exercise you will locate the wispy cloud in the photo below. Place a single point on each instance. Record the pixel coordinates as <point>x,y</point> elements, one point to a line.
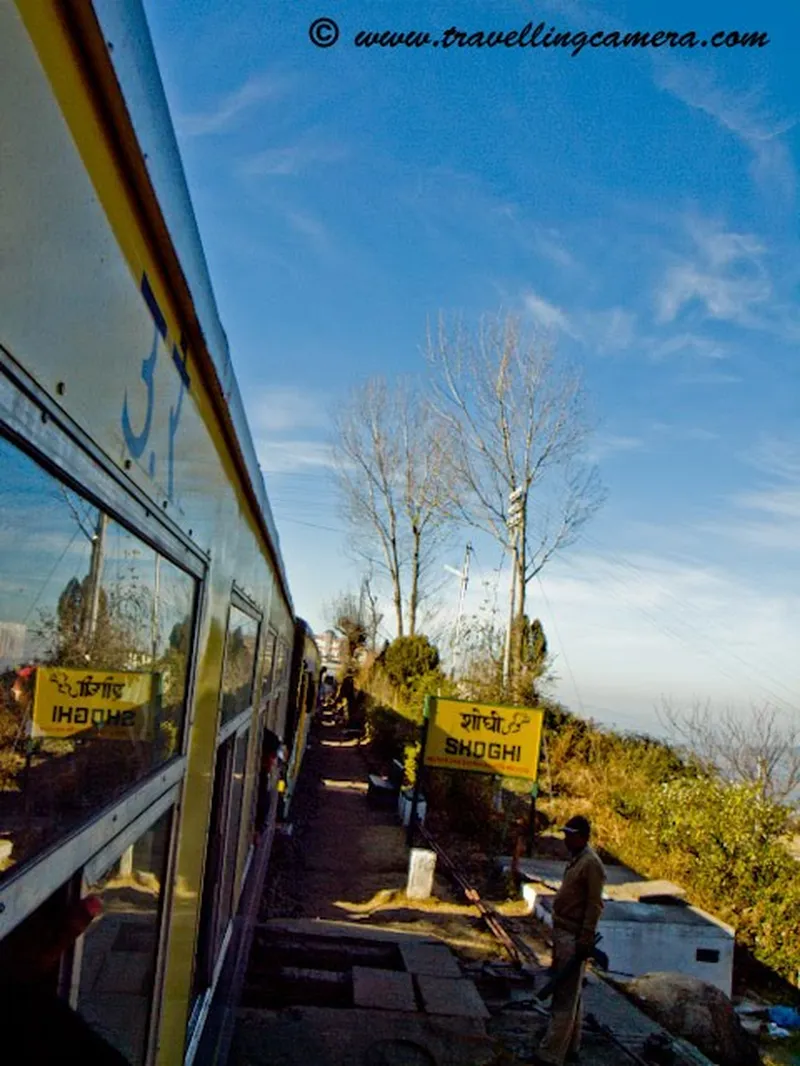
<point>607,330</point>
<point>293,456</point>
<point>676,431</point>
<point>550,244</point>
<point>726,276</point>
<point>290,160</point>
<point>748,116</point>
<point>689,344</point>
<point>709,379</point>
<point>225,111</point>
<point>767,516</point>
<point>608,444</point>
<point>778,457</point>
<point>610,330</point>
<point>547,315</point>
<point>285,408</point>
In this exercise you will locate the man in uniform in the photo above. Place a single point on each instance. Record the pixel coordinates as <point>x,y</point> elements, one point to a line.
<point>576,910</point>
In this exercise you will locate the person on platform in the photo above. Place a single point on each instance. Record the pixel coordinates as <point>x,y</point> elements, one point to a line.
<point>577,907</point>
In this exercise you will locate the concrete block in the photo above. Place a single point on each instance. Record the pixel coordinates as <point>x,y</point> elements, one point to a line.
<point>453,996</point>
<point>432,960</point>
<point>383,989</point>
<point>421,869</point>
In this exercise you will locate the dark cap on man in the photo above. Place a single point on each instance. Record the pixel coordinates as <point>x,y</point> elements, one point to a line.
<point>578,826</point>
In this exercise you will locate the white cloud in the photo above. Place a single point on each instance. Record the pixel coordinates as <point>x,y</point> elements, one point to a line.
<point>607,444</point>
<point>610,330</point>
<point>767,516</point>
<point>709,379</point>
<point>291,456</point>
<point>550,244</point>
<point>547,314</point>
<point>689,344</point>
<point>228,108</point>
<point>676,431</point>
<point>777,457</point>
<point>289,160</point>
<point>283,408</point>
<point>627,629</point>
<point>746,115</point>
<point>726,275</point>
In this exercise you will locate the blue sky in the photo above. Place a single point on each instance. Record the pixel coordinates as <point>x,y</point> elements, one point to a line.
<point>640,205</point>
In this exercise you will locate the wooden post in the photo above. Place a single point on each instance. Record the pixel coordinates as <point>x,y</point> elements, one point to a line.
<point>532,818</point>
<point>412,821</point>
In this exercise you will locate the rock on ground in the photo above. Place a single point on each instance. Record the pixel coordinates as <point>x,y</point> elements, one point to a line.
<point>698,1012</point>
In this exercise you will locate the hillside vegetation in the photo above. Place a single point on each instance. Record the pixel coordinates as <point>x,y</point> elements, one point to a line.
<point>652,808</point>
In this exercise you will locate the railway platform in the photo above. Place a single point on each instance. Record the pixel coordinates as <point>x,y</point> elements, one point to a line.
<point>344,969</point>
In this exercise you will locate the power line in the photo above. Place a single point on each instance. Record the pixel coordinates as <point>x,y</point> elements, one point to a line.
<point>46,581</point>
<point>753,672</point>
<point>666,630</point>
<point>312,525</point>
<point>561,645</point>
<point>623,563</point>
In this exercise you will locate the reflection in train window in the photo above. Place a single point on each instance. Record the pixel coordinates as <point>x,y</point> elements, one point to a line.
<point>268,665</point>
<point>95,632</point>
<point>240,661</point>
<point>120,949</point>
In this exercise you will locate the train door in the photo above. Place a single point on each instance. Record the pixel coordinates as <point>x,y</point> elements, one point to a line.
<point>222,876</point>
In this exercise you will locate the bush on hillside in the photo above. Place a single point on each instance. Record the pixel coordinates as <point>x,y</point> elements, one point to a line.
<point>409,658</point>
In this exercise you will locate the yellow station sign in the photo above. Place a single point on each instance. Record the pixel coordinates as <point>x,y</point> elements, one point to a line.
<point>484,738</point>
<point>67,702</point>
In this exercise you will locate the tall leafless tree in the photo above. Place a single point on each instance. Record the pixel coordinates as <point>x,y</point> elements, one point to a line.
<point>389,451</point>
<point>516,422</point>
<point>761,747</point>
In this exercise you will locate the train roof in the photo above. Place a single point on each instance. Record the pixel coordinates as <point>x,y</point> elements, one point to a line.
<point>131,54</point>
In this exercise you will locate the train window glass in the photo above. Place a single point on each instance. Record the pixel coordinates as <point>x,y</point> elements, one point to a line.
<point>120,948</point>
<point>222,848</point>
<point>226,897</point>
<point>281,662</point>
<point>240,661</point>
<point>267,675</point>
<point>94,639</point>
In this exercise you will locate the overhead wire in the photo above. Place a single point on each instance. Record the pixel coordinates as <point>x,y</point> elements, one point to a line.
<point>627,564</point>
<point>752,674</point>
<point>561,644</point>
<point>682,639</point>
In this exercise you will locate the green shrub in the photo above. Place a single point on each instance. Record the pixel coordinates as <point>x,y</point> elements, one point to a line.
<point>409,658</point>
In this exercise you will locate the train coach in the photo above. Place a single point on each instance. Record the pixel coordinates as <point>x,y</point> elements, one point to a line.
<point>148,644</point>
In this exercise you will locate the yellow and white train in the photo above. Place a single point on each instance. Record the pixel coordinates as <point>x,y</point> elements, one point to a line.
<point>148,643</point>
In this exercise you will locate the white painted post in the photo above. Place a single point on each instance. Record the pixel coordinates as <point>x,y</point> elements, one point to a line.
<point>421,868</point>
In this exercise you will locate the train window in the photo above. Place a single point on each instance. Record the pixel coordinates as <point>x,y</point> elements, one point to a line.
<point>95,630</point>
<point>281,662</point>
<point>267,675</point>
<point>223,840</point>
<point>240,661</point>
<point>120,948</point>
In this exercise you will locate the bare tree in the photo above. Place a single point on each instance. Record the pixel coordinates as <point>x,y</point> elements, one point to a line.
<point>389,453</point>
<point>370,612</point>
<point>347,617</point>
<point>516,423</point>
<point>761,748</point>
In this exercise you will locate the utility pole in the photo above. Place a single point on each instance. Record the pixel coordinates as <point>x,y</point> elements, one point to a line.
<point>464,575</point>
<point>95,576</point>
<point>516,506</point>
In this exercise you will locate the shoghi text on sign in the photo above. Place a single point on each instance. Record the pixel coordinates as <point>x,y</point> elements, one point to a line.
<point>485,738</point>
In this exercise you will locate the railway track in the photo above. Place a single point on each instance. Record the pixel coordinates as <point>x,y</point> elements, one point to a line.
<point>656,1049</point>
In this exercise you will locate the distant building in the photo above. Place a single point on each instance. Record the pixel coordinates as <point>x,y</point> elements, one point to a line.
<point>12,643</point>
<point>332,649</point>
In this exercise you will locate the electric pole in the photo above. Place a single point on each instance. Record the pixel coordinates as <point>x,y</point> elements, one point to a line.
<point>516,507</point>
<point>464,575</point>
